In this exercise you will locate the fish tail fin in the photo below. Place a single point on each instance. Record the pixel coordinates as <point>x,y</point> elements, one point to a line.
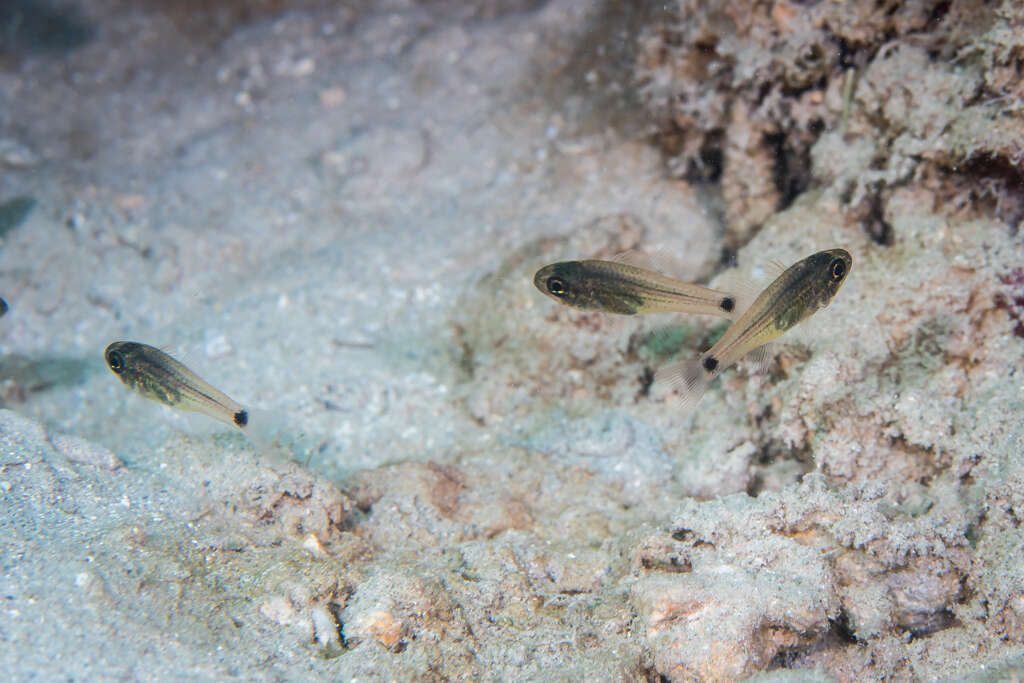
<point>273,438</point>
<point>687,380</point>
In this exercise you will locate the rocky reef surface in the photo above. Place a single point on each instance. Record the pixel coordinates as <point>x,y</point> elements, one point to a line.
<point>333,213</point>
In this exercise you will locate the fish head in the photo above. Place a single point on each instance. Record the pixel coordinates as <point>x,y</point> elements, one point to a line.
<point>832,266</point>
<point>588,286</point>
<point>122,359</point>
<point>561,281</point>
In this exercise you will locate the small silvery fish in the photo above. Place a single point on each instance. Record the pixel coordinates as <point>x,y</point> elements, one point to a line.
<point>804,288</point>
<point>158,377</point>
<point>3,306</point>
<point>612,287</point>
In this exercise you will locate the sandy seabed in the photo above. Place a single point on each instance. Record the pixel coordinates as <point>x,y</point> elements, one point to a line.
<point>333,213</point>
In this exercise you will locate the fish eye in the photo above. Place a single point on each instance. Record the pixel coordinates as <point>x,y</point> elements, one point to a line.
<point>115,361</point>
<point>556,286</point>
<point>838,269</point>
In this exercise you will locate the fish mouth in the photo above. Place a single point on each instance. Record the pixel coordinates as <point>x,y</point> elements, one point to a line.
<point>554,273</point>
<point>113,357</point>
<point>541,276</point>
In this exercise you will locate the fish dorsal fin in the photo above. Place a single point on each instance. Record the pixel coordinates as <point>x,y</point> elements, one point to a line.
<point>763,272</point>
<point>774,268</point>
<point>187,355</point>
<point>748,288</point>
<point>658,262</point>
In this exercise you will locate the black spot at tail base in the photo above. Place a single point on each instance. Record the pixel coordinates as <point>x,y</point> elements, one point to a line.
<point>728,304</point>
<point>710,364</point>
<point>242,418</point>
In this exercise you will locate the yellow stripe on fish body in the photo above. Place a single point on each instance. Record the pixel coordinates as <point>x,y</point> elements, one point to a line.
<point>612,287</point>
<point>159,377</point>
<point>804,288</point>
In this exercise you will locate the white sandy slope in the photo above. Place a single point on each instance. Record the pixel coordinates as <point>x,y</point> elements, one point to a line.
<point>305,208</point>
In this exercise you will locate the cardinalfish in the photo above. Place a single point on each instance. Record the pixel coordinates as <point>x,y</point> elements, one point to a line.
<point>803,289</point>
<point>613,287</point>
<point>160,378</point>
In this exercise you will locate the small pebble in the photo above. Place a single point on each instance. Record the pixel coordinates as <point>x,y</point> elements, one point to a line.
<point>333,97</point>
<point>82,452</point>
<point>218,346</point>
<point>278,610</point>
<point>17,155</point>
<point>312,545</point>
<point>325,629</point>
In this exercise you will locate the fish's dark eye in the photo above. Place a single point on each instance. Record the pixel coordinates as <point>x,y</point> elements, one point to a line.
<point>556,286</point>
<point>838,269</point>
<point>115,361</point>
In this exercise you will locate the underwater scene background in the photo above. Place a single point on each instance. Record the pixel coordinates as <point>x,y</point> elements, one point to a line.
<point>333,213</point>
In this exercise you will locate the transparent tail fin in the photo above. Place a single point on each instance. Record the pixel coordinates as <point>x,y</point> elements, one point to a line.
<point>275,439</point>
<point>688,381</point>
